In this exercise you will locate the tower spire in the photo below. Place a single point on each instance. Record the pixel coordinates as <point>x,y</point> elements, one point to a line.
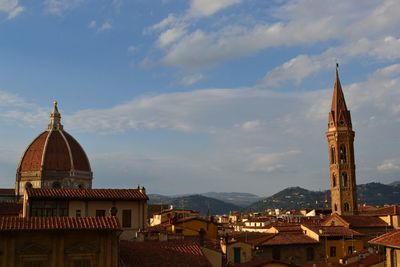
<point>55,119</point>
<point>339,115</point>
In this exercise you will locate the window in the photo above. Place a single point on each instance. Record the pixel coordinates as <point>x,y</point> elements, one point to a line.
<point>346,207</point>
<point>334,180</point>
<point>350,250</point>
<point>335,207</point>
<point>28,185</point>
<point>344,179</point>
<point>236,255</point>
<point>56,185</point>
<point>276,253</point>
<point>81,263</point>
<point>333,161</point>
<point>78,213</point>
<point>342,153</point>
<point>310,254</point>
<point>126,218</point>
<point>332,252</point>
<point>49,208</point>
<point>100,213</point>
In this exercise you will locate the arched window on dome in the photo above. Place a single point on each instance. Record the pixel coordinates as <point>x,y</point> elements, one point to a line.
<point>346,207</point>
<point>56,185</point>
<point>28,185</point>
<point>344,179</point>
<point>342,153</point>
<point>333,161</point>
<point>333,180</point>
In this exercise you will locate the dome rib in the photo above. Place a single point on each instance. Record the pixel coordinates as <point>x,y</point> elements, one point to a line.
<point>44,149</point>
<point>69,150</point>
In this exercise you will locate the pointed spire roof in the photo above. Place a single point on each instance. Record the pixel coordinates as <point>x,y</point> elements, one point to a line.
<point>55,119</point>
<point>339,115</point>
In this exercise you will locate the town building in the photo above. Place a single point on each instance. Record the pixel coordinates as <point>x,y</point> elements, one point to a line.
<point>59,241</point>
<point>391,244</point>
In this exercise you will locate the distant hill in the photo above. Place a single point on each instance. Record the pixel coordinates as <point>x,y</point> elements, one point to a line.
<point>290,198</point>
<point>395,183</point>
<point>375,194</point>
<point>195,202</point>
<point>236,198</point>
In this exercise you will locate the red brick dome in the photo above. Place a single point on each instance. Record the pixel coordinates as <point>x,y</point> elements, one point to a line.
<point>54,150</point>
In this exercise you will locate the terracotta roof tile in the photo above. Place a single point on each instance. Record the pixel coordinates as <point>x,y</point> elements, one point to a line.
<point>177,253</point>
<point>390,210</point>
<point>77,193</point>
<point>364,221</point>
<point>334,231</point>
<point>252,238</point>
<point>10,208</point>
<point>12,224</point>
<point>289,239</point>
<point>391,239</point>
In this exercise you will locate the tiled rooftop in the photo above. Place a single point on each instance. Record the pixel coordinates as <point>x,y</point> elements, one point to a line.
<point>289,239</point>
<point>391,239</point>
<point>364,221</point>
<point>334,231</point>
<point>174,253</point>
<point>13,224</point>
<point>77,193</point>
<point>253,238</point>
<point>390,210</point>
<point>10,208</point>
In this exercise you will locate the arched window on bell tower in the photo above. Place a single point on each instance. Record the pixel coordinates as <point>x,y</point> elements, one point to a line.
<point>335,207</point>
<point>333,156</point>
<point>346,207</point>
<point>342,154</point>
<point>333,180</point>
<point>344,179</point>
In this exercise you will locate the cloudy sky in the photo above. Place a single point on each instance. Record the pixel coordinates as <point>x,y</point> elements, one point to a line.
<point>190,96</point>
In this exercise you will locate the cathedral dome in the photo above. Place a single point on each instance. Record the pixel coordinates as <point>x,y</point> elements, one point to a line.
<point>54,159</point>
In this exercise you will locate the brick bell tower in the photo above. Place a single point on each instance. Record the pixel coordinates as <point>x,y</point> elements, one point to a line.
<point>342,167</point>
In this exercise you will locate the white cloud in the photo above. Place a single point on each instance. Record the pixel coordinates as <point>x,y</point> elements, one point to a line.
<point>168,21</point>
<point>250,125</point>
<point>389,165</point>
<point>11,7</point>
<point>209,7</point>
<point>302,66</point>
<point>59,7</point>
<point>132,48</point>
<point>170,36</point>
<point>106,26</point>
<point>92,24</point>
<point>191,79</point>
<point>271,161</point>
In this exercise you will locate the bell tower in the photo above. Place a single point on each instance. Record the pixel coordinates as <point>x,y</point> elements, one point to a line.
<point>342,167</point>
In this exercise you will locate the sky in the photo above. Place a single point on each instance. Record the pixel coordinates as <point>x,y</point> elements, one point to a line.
<point>192,96</point>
